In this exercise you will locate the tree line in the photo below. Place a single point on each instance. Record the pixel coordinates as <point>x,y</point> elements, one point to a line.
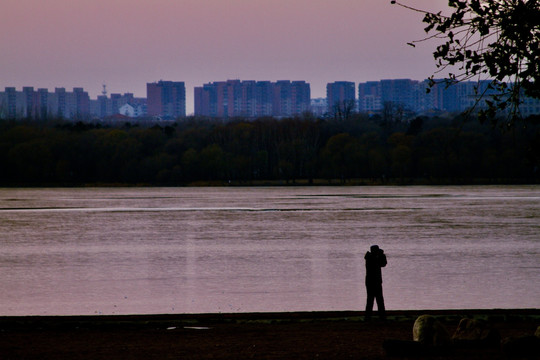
<point>357,149</point>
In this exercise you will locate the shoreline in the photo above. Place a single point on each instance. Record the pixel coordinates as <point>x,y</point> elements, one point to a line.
<point>284,335</point>
<point>293,316</point>
<point>361,182</point>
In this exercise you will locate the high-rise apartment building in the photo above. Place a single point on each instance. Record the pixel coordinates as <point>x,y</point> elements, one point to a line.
<point>463,95</point>
<point>10,102</point>
<point>413,96</point>
<point>235,98</point>
<point>369,97</point>
<point>41,104</point>
<point>341,97</point>
<point>166,99</point>
<point>400,91</point>
<point>217,99</point>
<point>59,104</point>
<point>82,102</point>
<point>291,98</point>
<point>408,94</point>
<point>264,94</point>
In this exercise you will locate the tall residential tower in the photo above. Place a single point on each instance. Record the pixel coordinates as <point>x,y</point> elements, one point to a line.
<point>233,98</point>
<point>166,99</point>
<point>341,97</point>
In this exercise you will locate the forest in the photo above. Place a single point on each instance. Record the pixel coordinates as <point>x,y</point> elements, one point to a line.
<point>359,150</point>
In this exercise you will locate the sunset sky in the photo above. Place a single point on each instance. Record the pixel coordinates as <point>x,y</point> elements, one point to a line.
<point>127,43</point>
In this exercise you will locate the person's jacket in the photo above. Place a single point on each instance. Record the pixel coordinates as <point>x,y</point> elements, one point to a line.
<point>374,263</point>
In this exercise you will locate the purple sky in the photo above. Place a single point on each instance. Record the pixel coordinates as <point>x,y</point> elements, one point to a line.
<point>127,43</point>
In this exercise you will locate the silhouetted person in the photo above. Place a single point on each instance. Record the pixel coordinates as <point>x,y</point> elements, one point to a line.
<point>375,260</point>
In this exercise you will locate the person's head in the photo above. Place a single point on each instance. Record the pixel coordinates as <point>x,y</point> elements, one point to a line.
<point>374,248</point>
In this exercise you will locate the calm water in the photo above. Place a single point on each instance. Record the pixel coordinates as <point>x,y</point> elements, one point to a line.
<point>191,250</point>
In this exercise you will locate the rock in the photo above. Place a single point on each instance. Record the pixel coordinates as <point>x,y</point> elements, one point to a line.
<point>475,333</point>
<point>429,331</point>
<point>537,332</point>
<point>524,346</point>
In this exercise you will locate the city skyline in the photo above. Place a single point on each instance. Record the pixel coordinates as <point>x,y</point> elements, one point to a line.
<point>166,100</point>
<point>126,44</point>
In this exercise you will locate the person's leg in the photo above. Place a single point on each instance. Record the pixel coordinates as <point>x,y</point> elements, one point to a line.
<point>369,302</point>
<point>380,303</point>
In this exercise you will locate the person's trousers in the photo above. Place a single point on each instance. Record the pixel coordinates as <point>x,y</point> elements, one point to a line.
<point>374,292</point>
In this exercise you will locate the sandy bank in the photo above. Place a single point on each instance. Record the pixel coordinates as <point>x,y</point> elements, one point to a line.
<point>299,335</point>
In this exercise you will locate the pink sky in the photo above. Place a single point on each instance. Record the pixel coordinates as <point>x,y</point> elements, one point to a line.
<point>127,43</point>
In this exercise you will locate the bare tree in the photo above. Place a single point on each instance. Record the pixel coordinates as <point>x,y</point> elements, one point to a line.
<point>497,40</point>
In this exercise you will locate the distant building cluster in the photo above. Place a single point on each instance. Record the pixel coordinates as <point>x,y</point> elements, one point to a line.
<point>40,103</point>
<point>412,96</point>
<point>235,98</point>
<point>117,104</point>
<point>165,100</point>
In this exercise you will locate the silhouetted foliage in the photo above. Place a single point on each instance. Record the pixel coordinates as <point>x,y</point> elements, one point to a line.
<point>360,149</point>
<point>497,40</point>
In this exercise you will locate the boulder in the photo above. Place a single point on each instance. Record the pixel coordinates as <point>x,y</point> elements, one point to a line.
<point>524,346</point>
<point>429,331</point>
<point>475,333</point>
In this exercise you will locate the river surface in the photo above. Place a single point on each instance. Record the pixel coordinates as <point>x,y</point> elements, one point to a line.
<point>197,250</point>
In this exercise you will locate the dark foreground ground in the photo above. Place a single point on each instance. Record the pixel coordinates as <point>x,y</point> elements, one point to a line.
<point>310,335</point>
